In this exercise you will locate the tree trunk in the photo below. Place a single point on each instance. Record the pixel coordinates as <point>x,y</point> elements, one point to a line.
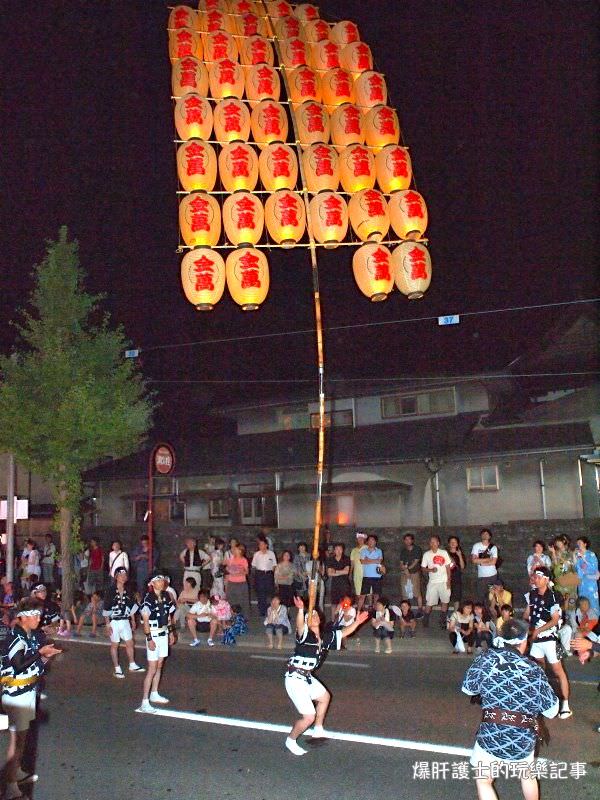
<point>66,523</point>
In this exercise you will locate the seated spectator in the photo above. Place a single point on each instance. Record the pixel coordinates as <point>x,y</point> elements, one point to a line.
<point>301,559</point>
<point>498,597</point>
<point>277,623</point>
<point>77,610</point>
<point>383,626</point>
<point>506,613</point>
<point>221,614</point>
<point>187,597</point>
<point>8,595</point>
<point>345,613</point>
<point>237,626</point>
<point>586,618</point>
<point>461,628</point>
<point>405,620</point>
<point>92,615</point>
<point>199,617</point>
<point>481,626</point>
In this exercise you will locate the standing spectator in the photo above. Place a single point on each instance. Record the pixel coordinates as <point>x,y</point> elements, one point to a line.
<point>371,558</point>
<point>216,567</point>
<point>192,560</point>
<point>32,567</point>
<point>95,575</point>
<point>436,563</point>
<point>537,558</point>
<point>410,570</point>
<point>499,596</point>
<point>48,560</point>
<point>206,570</point>
<point>141,562</point>
<point>284,578</point>
<point>586,566</point>
<point>456,569</point>
<point>277,623</point>
<point>301,559</point>
<point>233,542</point>
<point>484,555</point>
<point>356,571</point>
<point>263,568</point>
<point>117,558</point>
<point>236,578</point>
<point>383,625</point>
<point>338,570</point>
<point>187,597</point>
<point>462,622</point>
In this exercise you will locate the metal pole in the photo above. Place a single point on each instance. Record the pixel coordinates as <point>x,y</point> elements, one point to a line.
<point>438,505</point>
<point>149,525</point>
<point>543,489</point>
<point>10,518</point>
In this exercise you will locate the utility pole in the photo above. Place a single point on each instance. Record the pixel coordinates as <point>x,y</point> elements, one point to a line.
<point>10,517</point>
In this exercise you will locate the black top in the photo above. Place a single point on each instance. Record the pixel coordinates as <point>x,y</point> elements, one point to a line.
<point>541,610</point>
<point>408,556</point>
<point>22,661</point>
<point>333,563</point>
<point>310,652</point>
<point>118,605</point>
<point>50,613</point>
<point>158,610</point>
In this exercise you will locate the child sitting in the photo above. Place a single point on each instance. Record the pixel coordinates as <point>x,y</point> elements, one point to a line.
<point>585,617</point>
<point>406,620</point>
<point>481,626</point>
<point>277,623</point>
<point>199,618</point>
<point>460,625</point>
<point>221,613</point>
<point>383,626</point>
<point>236,627</point>
<point>506,613</point>
<point>92,614</point>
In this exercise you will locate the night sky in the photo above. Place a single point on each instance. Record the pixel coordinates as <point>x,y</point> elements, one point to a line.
<point>497,101</point>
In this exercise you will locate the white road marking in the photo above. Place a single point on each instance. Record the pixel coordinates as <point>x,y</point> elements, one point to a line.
<point>380,741</point>
<point>330,662</point>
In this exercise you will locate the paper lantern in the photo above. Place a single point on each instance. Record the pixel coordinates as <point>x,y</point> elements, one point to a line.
<point>247,273</point>
<point>357,168</point>
<point>203,278</point>
<point>357,58</point>
<point>226,79</point>
<point>288,28</point>
<point>412,269</point>
<point>312,123</point>
<point>316,31</point>
<point>338,88</point>
<point>200,220</point>
<point>285,216</point>
<point>238,167</point>
<point>370,89</point>
<point>321,168</point>
<point>243,218</point>
<point>344,32</point>
<point>279,9</point>
<point>183,17</point>
<point>306,12</point>
<point>193,117</point>
<point>373,271</point>
<point>213,5</point>
<point>304,84</point>
<point>382,127</point>
<point>256,50</point>
<point>347,125</point>
<point>369,215</point>
<point>294,52</point>
<point>278,167</point>
<point>184,42</point>
<point>241,7</point>
<point>219,45</point>
<point>329,218</point>
<point>189,75</point>
<point>216,20</point>
<point>231,120</point>
<point>251,25</point>
<point>408,214</point>
<point>269,123</point>
<point>197,166</point>
<point>262,83</point>
<point>393,168</point>
<point>325,55</point>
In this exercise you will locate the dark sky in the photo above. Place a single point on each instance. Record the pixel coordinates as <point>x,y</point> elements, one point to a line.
<point>497,101</point>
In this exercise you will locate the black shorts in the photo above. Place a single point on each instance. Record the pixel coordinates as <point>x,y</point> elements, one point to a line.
<point>202,627</point>
<point>371,583</point>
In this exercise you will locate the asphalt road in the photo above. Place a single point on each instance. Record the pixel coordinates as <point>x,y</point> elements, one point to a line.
<point>93,746</point>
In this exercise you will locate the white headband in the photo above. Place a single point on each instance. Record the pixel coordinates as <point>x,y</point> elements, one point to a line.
<point>32,612</point>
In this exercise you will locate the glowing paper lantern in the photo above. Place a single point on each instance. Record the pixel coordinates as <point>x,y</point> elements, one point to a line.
<point>344,32</point>
<point>184,42</point>
<point>247,273</point>
<point>231,120</point>
<point>189,75</point>
<point>183,17</point>
<point>357,58</point>
<point>251,25</point>
<point>269,123</point>
<point>243,218</point>
<point>369,215</point>
<point>373,271</point>
<point>287,27</point>
<point>238,167</point>
<point>219,45</point>
<point>262,83</point>
<point>338,88</point>
<point>278,167</point>
<point>382,127</point>
<point>412,269</point>
<point>316,31</point>
<point>241,7</point>
<point>321,168</point>
<point>216,20</point>
<point>285,216</point>
<point>329,218</point>
<point>357,168</point>
<point>193,117</point>
<point>256,50</point>
<point>393,169</point>
<point>200,220</point>
<point>203,278</point>
<point>306,12</point>
<point>305,84</point>
<point>408,214</point>
<point>279,9</point>
<point>294,52</point>
<point>347,125</point>
<point>226,79</point>
<point>213,5</point>
<point>312,122</point>
<point>197,166</point>
<point>370,89</point>
<point>325,55</point>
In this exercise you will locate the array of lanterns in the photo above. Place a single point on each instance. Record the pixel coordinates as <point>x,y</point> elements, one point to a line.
<point>239,143</point>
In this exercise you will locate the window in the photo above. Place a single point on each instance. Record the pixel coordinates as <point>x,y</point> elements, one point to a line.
<point>178,510</point>
<point>251,510</point>
<point>440,401</point>
<point>218,508</point>
<point>340,419</point>
<point>483,479</point>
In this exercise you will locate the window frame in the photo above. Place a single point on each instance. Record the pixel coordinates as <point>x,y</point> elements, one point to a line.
<point>482,487</point>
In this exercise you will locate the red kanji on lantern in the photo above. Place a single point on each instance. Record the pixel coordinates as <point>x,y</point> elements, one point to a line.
<point>250,271</point>
<point>380,260</point>
<point>386,121</point>
<point>239,163</point>
<point>323,165</point>
<point>280,163</point>
<point>232,117</point>
<point>359,158</point>
<point>283,9</point>
<point>220,46</point>
<point>258,51</point>
<point>250,23</point>
<point>331,55</point>
<point>272,120</point>
<point>376,87</point>
<point>214,21</point>
<point>188,73</point>
<point>243,7</point>
<point>298,52</point>
<point>227,72</point>
<point>184,43</point>
<point>193,110</point>
<point>204,272</point>
<point>195,157</point>
<point>351,119</point>
<point>288,209</point>
<point>245,213</point>
<point>314,118</point>
<point>265,81</point>
<point>333,210</point>
<point>418,264</point>
<point>374,202</point>
<point>199,213</point>
<point>342,84</point>
<point>414,206</point>
<point>181,17</point>
<point>363,61</point>
<point>308,83</point>
<point>399,163</point>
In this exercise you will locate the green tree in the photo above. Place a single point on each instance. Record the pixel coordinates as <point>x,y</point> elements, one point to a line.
<point>68,397</point>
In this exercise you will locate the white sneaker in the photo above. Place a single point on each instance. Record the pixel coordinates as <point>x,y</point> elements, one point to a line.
<point>318,732</point>
<point>293,746</point>
<point>155,697</point>
<point>43,696</point>
<point>146,708</point>
<point>195,643</point>
<point>133,667</point>
<point>210,643</point>
<point>26,777</point>
<point>118,673</point>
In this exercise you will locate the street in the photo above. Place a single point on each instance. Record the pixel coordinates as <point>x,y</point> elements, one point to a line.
<point>93,746</point>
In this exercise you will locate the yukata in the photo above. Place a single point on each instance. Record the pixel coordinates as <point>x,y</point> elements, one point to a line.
<point>238,626</point>
<point>586,567</point>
